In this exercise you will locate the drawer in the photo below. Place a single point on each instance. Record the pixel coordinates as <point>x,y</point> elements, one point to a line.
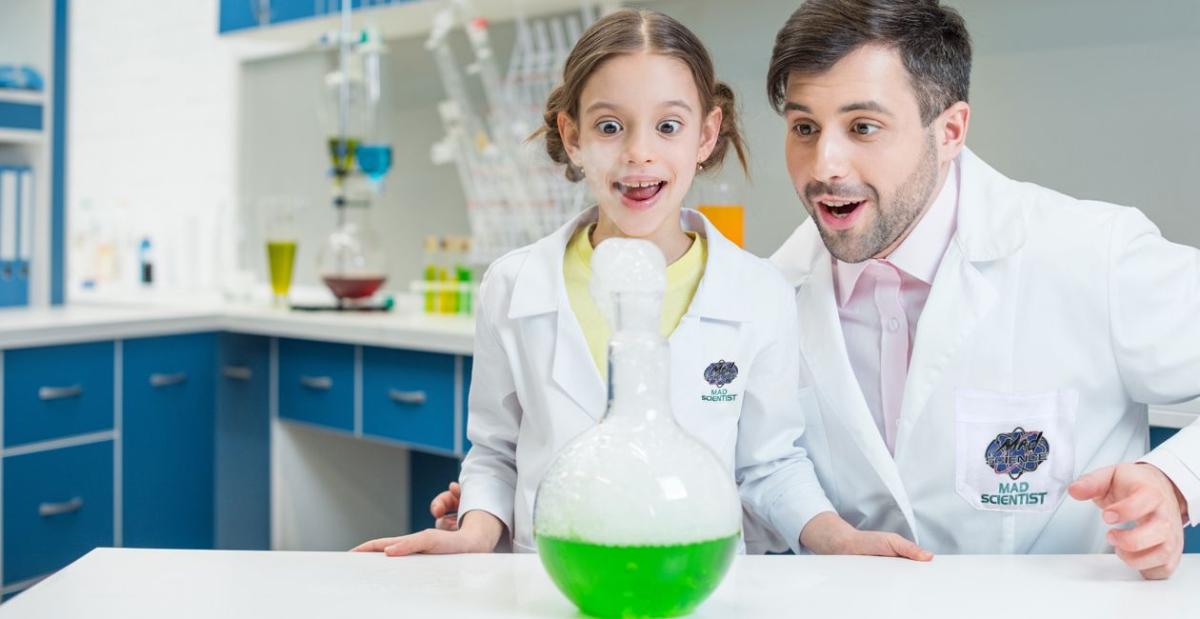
<point>58,505</point>
<point>409,396</point>
<point>57,391</point>
<point>316,383</point>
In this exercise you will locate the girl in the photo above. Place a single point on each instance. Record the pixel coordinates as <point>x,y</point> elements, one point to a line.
<point>638,115</point>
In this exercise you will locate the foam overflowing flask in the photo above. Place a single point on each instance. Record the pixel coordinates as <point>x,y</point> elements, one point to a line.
<point>635,518</point>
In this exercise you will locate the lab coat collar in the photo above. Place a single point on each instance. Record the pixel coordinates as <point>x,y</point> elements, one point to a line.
<point>540,288</point>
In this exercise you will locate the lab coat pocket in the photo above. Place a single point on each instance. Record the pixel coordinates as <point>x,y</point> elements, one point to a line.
<point>1014,452</point>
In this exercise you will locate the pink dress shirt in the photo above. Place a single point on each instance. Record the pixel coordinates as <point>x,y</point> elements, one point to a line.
<point>880,302</point>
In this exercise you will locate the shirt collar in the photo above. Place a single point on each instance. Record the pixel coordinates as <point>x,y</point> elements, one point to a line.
<point>921,253</point>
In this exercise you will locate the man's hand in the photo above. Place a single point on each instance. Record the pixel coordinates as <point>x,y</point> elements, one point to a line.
<point>444,508</point>
<point>1143,495</point>
<point>480,532</point>
<point>828,534</point>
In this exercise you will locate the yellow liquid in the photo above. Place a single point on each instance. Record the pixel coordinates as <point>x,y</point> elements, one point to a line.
<point>730,219</point>
<point>281,256</point>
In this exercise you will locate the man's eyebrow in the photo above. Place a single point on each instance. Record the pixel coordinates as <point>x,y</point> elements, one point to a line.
<point>798,107</point>
<point>864,106</point>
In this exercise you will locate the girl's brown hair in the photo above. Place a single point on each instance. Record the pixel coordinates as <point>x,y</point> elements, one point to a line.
<point>629,31</point>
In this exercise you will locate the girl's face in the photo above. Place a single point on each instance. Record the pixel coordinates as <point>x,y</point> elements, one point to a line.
<point>640,135</point>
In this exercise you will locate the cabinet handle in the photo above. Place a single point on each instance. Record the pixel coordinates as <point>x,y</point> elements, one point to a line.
<point>262,11</point>
<point>45,510</point>
<point>60,393</point>
<point>237,372</point>
<point>166,380</point>
<point>415,398</point>
<point>320,383</point>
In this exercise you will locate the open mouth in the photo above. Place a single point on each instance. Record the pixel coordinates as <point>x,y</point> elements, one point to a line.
<point>842,209</point>
<point>639,192</point>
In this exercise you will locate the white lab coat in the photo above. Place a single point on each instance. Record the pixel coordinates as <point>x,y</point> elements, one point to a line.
<point>534,385</point>
<point>1047,314</point>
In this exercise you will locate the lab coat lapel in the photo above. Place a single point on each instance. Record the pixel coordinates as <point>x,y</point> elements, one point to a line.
<point>540,291</point>
<point>991,226</point>
<point>824,348</point>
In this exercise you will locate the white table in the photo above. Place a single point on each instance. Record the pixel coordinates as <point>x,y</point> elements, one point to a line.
<point>176,583</point>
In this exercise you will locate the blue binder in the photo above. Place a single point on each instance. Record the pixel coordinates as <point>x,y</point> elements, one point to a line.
<point>16,219</point>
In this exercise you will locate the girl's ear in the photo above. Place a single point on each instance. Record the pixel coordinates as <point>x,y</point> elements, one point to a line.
<point>569,131</point>
<point>710,131</point>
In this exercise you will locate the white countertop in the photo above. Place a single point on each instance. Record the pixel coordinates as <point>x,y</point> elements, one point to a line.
<point>94,322</point>
<point>197,583</point>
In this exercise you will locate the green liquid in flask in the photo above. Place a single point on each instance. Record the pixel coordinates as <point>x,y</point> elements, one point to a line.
<point>636,581</point>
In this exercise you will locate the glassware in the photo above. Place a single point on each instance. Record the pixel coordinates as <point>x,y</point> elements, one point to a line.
<point>635,518</point>
<point>351,262</point>
<point>281,241</point>
<point>723,208</point>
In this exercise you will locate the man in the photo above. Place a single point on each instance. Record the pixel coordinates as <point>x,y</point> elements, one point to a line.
<point>975,343</point>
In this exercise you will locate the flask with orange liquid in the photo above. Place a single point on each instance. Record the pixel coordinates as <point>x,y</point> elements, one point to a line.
<point>720,204</point>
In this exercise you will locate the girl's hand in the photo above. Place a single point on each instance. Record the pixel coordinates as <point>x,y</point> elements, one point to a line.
<point>445,507</point>
<point>478,533</point>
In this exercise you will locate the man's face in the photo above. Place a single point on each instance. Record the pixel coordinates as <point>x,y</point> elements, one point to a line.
<point>859,156</point>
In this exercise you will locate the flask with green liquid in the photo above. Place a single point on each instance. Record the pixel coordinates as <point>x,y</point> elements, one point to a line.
<point>635,518</point>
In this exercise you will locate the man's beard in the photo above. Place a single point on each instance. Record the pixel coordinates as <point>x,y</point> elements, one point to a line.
<point>905,208</point>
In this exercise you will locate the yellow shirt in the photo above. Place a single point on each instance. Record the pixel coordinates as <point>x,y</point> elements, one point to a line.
<point>683,277</point>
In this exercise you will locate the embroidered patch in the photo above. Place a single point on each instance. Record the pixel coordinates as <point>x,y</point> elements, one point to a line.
<point>1018,452</point>
<point>721,373</point>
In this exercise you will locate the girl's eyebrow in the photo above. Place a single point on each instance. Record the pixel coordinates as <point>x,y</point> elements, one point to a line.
<point>601,105</point>
<point>604,105</point>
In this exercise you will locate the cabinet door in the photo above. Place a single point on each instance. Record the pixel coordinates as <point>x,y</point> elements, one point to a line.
<point>408,396</point>
<point>58,506</point>
<point>243,443</point>
<point>1191,534</point>
<point>57,391</point>
<point>466,392</point>
<point>243,14</point>
<point>167,436</point>
<point>316,383</point>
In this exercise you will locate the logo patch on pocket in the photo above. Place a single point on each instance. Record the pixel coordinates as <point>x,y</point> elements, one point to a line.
<point>721,373</point>
<point>1018,452</point>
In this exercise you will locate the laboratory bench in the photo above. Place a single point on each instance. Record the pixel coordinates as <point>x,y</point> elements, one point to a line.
<point>180,583</point>
<point>156,426</point>
<point>176,426</point>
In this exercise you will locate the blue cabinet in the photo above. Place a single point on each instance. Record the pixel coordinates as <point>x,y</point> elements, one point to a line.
<point>58,505</point>
<point>244,14</point>
<point>243,456</point>
<point>316,383</point>
<point>168,444</point>
<point>466,393</point>
<point>1191,534</point>
<point>408,396</point>
<point>55,392</point>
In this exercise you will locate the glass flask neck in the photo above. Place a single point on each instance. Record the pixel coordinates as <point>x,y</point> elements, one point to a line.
<point>638,360</point>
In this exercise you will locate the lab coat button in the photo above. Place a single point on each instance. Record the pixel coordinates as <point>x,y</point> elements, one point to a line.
<point>893,324</point>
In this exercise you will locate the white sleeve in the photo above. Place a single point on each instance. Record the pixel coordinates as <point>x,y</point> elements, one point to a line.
<point>775,477</point>
<point>489,471</point>
<point>1154,288</point>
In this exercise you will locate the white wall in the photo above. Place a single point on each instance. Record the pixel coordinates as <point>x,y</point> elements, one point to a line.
<point>151,134</point>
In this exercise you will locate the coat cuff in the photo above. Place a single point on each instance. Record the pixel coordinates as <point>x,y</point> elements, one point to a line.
<point>793,509</point>
<point>491,495</point>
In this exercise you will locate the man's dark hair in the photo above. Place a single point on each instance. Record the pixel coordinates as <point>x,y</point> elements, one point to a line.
<point>932,41</point>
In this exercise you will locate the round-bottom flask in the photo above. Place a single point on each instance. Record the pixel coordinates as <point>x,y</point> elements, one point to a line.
<point>635,518</point>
